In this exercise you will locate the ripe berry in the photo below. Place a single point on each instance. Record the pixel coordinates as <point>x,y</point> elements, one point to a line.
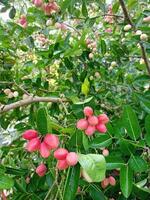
<point>33,145</point>
<point>44,151</point>
<point>62,164</point>
<point>38,3</point>
<point>146,19</point>
<point>90,130</point>
<point>88,111</point>
<point>82,124</point>
<point>101,128</point>
<point>105,152</point>
<point>52,141</point>
<point>61,154</point>
<point>72,159</point>
<point>41,170</point>
<point>30,134</point>
<point>103,119</point>
<point>105,183</point>
<point>93,120</point>
<point>112,180</point>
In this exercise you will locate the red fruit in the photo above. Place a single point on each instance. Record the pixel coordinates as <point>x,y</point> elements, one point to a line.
<point>30,134</point>
<point>41,170</point>
<point>38,3</point>
<point>82,124</point>
<point>105,152</point>
<point>33,145</point>
<point>105,183</point>
<point>101,128</point>
<point>90,130</point>
<point>52,141</point>
<point>103,119</point>
<point>93,120</point>
<point>72,159</point>
<point>62,164</point>
<point>44,150</point>
<point>112,180</point>
<point>88,111</point>
<point>61,154</point>
<point>23,21</point>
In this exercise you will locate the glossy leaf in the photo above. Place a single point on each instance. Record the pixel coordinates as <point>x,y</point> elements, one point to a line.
<point>137,164</point>
<point>6,182</point>
<point>147,128</point>
<point>94,165</point>
<point>42,121</point>
<point>131,123</point>
<point>126,180</point>
<point>71,183</point>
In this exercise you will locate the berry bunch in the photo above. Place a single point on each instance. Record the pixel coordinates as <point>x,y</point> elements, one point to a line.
<point>92,123</point>
<point>110,180</point>
<point>44,146</point>
<point>65,159</point>
<point>34,143</point>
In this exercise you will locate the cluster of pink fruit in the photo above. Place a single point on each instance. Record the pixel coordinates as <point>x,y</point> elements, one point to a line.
<point>110,180</point>
<point>92,123</point>
<point>48,8</point>
<point>44,145</point>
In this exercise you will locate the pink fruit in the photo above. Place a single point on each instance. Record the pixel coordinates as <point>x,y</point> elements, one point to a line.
<point>101,128</point>
<point>88,111</point>
<point>52,141</point>
<point>82,124</point>
<point>23,21</point>
<point>93,120</point>
<point>54,6</point>
<point>62,164</point>
<point>44,150</point>
<point>105,152</point>
<point>41,170</point>
<point>30,134</point>
<point>47,7</point>
<point>90,130</point>
<point>61,154</point>
<point>103,119</point>
<point>38,3</point>
<point>112,180</point>
<point>72,159</point>
<point>105,183</point>
<point>33,145</point>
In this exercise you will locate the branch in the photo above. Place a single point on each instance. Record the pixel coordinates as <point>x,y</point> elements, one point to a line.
<point>28,101</point>
<point>128,19</point>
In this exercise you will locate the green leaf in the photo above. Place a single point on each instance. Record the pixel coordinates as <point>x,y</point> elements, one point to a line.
<point>12,13</point>
<point>84,8</point>
<point>103,46</point>
<point>85,142</point>
<point>85,88</point>
<point>115,7</point>
<point>126,179</point>
<point>42,120</point>
<point>101,141</point>
<point>147,128</point>
<point>85,101</point>
<point>71,184</point>
<point>144,102</point>
<point>96,193</point>
<point>6,182</point>
<point>137,164</point>
<point>94,165</point>
<point>131,123</point>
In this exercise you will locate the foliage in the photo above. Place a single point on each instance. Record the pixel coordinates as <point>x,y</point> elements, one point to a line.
<point>44,60</point>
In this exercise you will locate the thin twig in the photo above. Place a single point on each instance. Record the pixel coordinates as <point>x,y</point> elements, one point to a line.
<point>128,19</point>
<point>28,101</point>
